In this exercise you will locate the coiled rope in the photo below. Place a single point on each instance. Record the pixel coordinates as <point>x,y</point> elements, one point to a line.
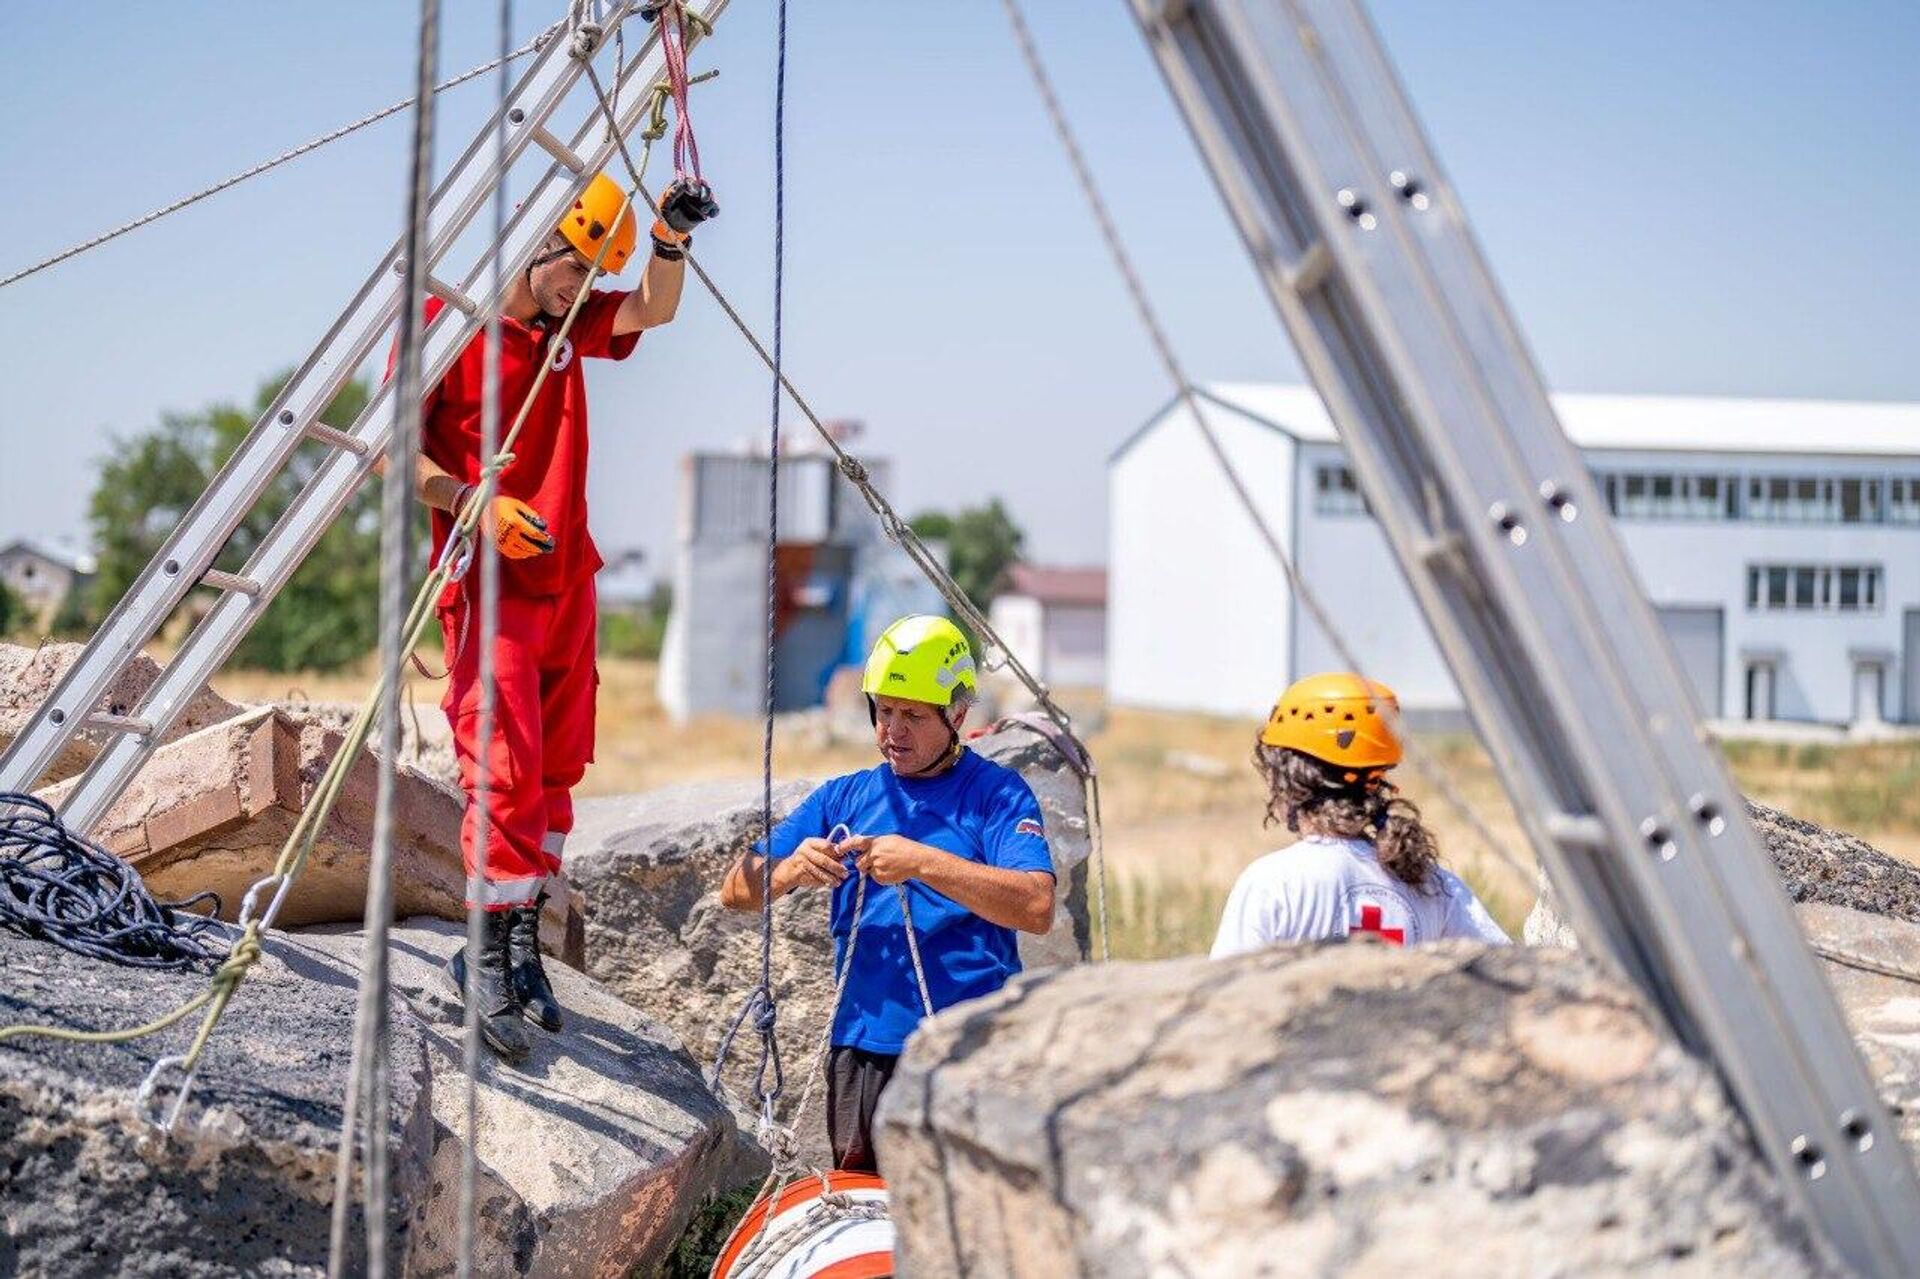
<point>60,887</point>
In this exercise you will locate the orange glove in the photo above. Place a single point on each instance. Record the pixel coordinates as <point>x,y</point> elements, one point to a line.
<point>516,529</point>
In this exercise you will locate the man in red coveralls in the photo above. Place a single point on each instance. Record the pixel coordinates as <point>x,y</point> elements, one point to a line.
<point>544,654</point>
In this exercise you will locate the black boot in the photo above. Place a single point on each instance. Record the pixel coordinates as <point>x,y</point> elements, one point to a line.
<point>530,983</point>
<point>493,987</point>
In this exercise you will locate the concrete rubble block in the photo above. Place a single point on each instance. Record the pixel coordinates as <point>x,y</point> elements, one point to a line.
<point>1874,966</point>
<point>244,1186</point>
<point>213,810</point>
<point>1316,1110</point>
<point>593,1154</point>
<point>28,677</point>
<point>1063,808</point>
<point>426,739</point>
<point>1815,864</point>
<point>650,867</point>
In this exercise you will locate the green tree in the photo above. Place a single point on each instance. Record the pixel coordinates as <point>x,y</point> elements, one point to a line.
<point>327,615</point>
<point>13,610</point>
<point>981,541</point>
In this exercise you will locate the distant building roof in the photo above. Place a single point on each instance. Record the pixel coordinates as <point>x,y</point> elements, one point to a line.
<point>1693,423</point>
<point>1055,585</point>
<point>82,562</point>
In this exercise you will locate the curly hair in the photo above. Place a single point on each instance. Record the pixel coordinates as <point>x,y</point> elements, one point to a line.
<point>1369,809</point>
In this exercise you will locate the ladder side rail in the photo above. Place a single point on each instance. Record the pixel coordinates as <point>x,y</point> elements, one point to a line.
<point>1749,982</point>
<point>199,537</point>
<point>333,484</point>
<point>1700,794</point>
<point>1446,397</point>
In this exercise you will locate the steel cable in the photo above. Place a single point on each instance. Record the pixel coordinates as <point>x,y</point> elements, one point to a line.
<point>265,166</point>
<point>373,1021</point>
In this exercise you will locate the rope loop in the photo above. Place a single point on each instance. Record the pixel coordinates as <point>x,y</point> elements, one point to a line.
<point>143,1099</point>
<point>245,954</point>
<point>766,1017</point>
<point>854,469</point>
<point>586,40</point>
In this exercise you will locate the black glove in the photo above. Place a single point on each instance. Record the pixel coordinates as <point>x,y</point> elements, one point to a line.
<point>685,205</point>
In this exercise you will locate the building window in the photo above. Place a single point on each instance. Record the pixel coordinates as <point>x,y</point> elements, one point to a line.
<point>1336,491</point>
<point>1667,495</point>
<point>1798,499</point>
<point>1814,588</point>
<point>1903,500</point>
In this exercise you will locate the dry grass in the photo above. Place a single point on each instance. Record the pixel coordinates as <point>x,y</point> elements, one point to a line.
<point>1183,804</point>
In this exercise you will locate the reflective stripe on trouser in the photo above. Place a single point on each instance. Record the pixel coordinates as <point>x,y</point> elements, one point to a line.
<point>543,733</point>
<point>505,894</point>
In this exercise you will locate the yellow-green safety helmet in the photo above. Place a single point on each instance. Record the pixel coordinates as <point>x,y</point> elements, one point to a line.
<point>923,659</point>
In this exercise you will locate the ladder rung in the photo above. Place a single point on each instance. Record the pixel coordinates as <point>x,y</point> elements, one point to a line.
<point>559,150</point>
<point>220,581</point>
<point>339,439</point>
<point>1572,831</point>
<point>1311,271</point>
<point>120,724</point>
<point>451,296</point>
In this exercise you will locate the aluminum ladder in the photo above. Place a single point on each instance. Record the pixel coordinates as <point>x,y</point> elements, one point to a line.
<point>1368,257</point>
<point>185,561</point>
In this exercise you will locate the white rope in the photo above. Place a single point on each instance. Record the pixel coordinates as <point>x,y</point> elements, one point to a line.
<point>265,166</point>
<point>1427,765</point>
<point>770,1247</point>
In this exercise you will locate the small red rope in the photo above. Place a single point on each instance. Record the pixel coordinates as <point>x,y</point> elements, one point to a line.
<point>673,47</point>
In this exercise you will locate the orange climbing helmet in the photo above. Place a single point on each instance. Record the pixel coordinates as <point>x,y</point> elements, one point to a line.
<point>599,208</point>
<point>1338,718</point>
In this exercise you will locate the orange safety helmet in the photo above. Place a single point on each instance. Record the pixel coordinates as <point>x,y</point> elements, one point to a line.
<point>587,221</point>
<point>1338,718</point>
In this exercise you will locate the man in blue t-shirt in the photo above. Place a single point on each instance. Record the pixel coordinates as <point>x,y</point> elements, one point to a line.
<point>960,835</point>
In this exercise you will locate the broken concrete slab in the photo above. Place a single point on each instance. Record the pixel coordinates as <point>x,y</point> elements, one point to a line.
<point>1815,865</point>
<point>212,811</point>
<point>1873,964</point>
<point>28,677</point>
<point>648,868</point>
<point>1339,1109</point>
<point>593,1153</point>
<point>1063,808</point>
<point>244,1186</point>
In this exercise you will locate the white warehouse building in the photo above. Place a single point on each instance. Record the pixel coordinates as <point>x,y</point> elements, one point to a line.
<point>1778,540</point>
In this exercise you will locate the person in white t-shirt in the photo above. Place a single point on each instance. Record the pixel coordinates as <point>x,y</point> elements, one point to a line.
<point>1365,863</point>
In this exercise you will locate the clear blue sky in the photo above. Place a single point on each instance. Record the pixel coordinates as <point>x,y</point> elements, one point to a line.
<point>1677,198</point>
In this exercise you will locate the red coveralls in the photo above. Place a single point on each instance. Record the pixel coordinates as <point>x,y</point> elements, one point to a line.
<point>544,654</point>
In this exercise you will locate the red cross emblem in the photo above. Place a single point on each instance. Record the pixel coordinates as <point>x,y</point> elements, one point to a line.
<point>1370,919</point>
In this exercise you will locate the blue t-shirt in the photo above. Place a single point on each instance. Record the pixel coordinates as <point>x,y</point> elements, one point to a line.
<point>978,810</point>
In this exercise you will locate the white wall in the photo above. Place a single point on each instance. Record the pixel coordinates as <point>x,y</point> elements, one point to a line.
<point>1700,563</point>
<point>1018,620</point>
<point>1197,611</point>
<point>1705,562</point>
<point>1353,572</point>
<point>1076,645</point>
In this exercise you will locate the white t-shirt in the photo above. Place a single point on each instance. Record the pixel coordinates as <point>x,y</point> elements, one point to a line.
<point>1323,888</point>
